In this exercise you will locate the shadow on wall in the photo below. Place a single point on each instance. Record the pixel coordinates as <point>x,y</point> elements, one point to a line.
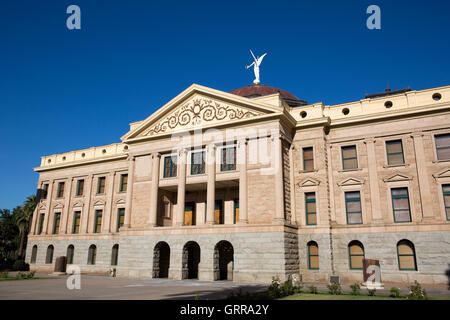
<point>448,275</point>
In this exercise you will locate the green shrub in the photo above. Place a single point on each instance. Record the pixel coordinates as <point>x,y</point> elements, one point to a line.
<point>395,292</point>
<point>21,275</point>
<point>31,274</point>
<point>334,288</point>
<point>20,265</point>
<point>416,292</point>
<point>356,289</point>
<point>313,290</point>
<point>275,288</point>
<point>4,275</point>
<point>371,292</point>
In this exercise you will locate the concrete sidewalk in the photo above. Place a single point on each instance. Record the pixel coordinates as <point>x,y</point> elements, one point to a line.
<point>108,288</point>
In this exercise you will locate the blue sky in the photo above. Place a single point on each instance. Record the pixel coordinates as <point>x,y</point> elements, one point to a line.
<point>63,90</point>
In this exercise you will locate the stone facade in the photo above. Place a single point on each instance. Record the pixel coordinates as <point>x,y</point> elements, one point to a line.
<point>253,210</point>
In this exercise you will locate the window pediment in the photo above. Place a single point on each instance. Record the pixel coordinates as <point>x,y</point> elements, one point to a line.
<point>99,203</point>
<point>442,174</point>
<point>309,182</point>
<point>397,177</point>
<point>78,205</point>
<point>120,201</point>
<point>350,182</point>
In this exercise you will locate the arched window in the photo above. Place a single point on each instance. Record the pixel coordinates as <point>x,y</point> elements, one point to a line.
<point>92,254</point>
<point>114,255</point>
<point>313,255</point>
<point>406,255</point>
<point>356,254</point>
<point>33,254</point>
<point>70,252</point>
<point>49,257</point>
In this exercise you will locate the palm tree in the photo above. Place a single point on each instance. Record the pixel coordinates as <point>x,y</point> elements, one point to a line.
<point>23,218</point>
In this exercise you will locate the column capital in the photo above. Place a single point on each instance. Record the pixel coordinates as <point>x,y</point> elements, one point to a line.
<point>416,134</point>
<point>370,140</point>
<point>183,151</point>
<point>156,155</point>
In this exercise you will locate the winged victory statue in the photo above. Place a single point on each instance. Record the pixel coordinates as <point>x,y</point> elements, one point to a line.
<point>256,63</point>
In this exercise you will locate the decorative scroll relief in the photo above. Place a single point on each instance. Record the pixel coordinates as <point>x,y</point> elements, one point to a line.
<point>196,112</point>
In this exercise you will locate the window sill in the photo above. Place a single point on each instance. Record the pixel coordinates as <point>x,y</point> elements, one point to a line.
<point>308,171</point>
<point>350,170</point>
<point>396,165</point>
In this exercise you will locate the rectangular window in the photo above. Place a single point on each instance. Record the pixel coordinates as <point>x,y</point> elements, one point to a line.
<point>123,183</point>
<point>349,158</point>
<point>170,166</point>
<point>45,191</point>
<point>353,207</point>
<point>76,222</point>
<point>98,221</point>
<point>41,222</point>
<point>443,146</point>
<point>446,191</point>
<point>120,218</point>
<point>56,223</point>
<point>236,210</point>
<point>80,187</point>
<point>394,151</point>
<point>197,162</point>
<point>218,212</point>
<point>400,204</point>
<point>308,159</point>
<point>101,185</point>
<point>189,214</point>
<point>228,159</point>
<point>310,208</point>
<point>60,192</point>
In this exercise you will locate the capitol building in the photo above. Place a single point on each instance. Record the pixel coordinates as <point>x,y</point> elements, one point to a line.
<point>256,183</point>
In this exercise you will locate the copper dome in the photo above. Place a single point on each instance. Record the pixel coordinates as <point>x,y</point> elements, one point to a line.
<point>258,90</point>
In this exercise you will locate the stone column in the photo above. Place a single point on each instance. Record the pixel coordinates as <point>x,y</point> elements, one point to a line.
<point>331,183</point>
<point>277,156</point>
<point>211,185</point>
<point>292,182</point>
<point>87,206</point>
<point>242,163</point>
<point>181,168</point>
<point>35,216</point>
<point>66,212</point>
<point>48,206</point>
<point>373,180</point>
<point>129,198</point>
<point>153,222</point>
<point>106,223</point>
<point>422,177</point>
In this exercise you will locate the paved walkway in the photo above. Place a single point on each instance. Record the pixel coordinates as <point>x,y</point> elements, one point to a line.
<point>108,288</point>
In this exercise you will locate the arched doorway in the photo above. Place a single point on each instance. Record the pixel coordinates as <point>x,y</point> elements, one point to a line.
<point>191,260</point>
<point>223,261</point>
<point>161,260</point>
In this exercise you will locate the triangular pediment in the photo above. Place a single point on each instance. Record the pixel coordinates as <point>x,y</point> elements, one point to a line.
<point>120,201</point>
<point>397,177</point>
<point>442,174</point>
<point>350,182</point>
<point>309,182</point>
<point>78,205</point>
<point>58,206</point>
<point>99,203</point>
<point>199,107</point>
